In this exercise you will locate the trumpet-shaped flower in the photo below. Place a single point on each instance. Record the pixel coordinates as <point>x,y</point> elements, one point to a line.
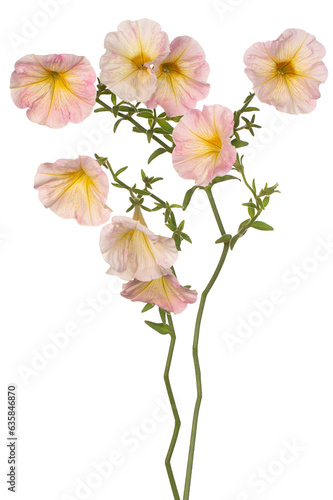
<point>203,145</point>
<point>74,189</point>
<point>287,72</point>
<point>57,89</point>
<point>133,251</point>
<point>130,53</point>
<point>181,77</point>
<point>165,292</point>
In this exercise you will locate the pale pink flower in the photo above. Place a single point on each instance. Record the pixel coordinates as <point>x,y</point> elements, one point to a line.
<point>165,292</point>
<point>181,78</point>
<point>203,145</point>
<point>130,53</point>
<point>133,251</point>
<point>287,72</point>
<point>57,89</point>
<point>74,189</point>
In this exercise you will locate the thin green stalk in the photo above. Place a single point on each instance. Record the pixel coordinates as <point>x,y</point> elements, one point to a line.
<point>174,410</point>
<point>136,124</point>
<point>195,347</point>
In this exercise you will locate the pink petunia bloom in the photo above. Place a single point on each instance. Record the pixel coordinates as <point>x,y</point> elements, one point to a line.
<point>287,72</point>
<point>203,145</point>
<point>181,78</point>
<point>165,292</point>
<point>130,53</point>
<point>133,251</point>
<point>75,189</point>
<point>57,89</point>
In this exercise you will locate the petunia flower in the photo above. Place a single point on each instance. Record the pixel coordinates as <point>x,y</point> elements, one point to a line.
<point>287,73</point>
<point>74,189</point>
<point>165,292</point>
<point>133,251</point>
<point>203,145</point>
<point>181,78</point>
<point>130,53</point>
<point>57,89</point>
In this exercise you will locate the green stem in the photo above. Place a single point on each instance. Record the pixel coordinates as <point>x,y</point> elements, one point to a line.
<point>208,190</point>
<point>135,123</point>
<point>174,410</point>
<point>198,371</point>
<point>196,344</point>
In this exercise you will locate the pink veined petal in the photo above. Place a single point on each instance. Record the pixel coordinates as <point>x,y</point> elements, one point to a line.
<point>133,251</point>
<point>181,78</point>
<point>203,146</point>
<point>165,292</point>
<point>74,189</point>
<point>287,72</point>
<point>130,53</point>
<point>56,88</point>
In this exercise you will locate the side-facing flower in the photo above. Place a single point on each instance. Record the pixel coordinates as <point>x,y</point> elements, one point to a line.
<point>133,251</point>
<point>181,77</point>
<point>57,89</point>
<point>75,189</point>
<point>287,72</point>
<point>130,53</point>
<point>165,292</point>
<point>203,145</point>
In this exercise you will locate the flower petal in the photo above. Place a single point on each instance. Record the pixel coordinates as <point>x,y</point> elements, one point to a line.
<point>133,251</point>
<point>56,88</point>
<point>165,292</point>
<point>287,72</point>
<point>203,146</point>
<point>130,52</point>
<point>74,189</point>
<point>181,78</point>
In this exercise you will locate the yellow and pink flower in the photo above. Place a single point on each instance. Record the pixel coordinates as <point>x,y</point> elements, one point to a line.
<point>130,54</point>
<point>57,89</point>
<point>203,146</point>
<point>133,251</point>
<point>164,292</point>
<point>75,189</point>
<point>287,72</point>
<point>181,78</point>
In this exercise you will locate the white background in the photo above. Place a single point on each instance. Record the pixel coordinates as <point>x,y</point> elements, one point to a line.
<point>275,386</point>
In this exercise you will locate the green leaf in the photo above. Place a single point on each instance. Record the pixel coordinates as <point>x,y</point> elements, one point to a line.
<point>172,227</point>
<point>158,152</point>
<point>224,239</point>
<point>116,125</point>
<point>252,205</point>
<point>188,196</point>
<point>144,114</point>
<point>181,225</point>
<point>186,237</point>
<point>165,126</point>
<point>234,241</point>
<point>163,315</point>
<point>239,144</point>
<point>262,226</point>
<point>266,201</point>
<point>251,211</point>
<point>158,327</point>
<point>150,134</point>
<point>147,307</point>
<point>121,170</point>
<point>224,178</point>
<point>176,118</point>
<point>113,99</point>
